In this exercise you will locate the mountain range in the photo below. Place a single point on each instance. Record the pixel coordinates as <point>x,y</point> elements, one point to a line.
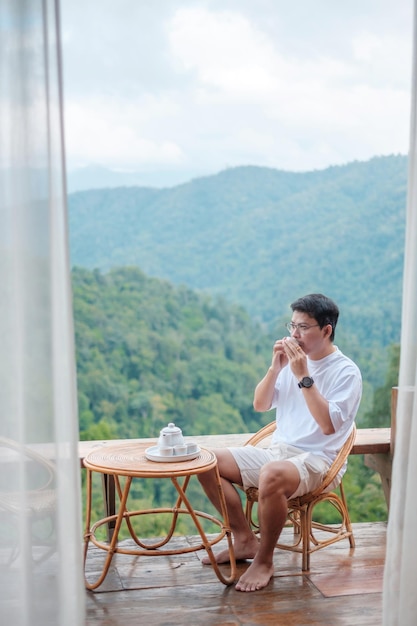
<point>262,237</point>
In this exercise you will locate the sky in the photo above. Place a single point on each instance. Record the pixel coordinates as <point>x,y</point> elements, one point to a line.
<point>195,87</point>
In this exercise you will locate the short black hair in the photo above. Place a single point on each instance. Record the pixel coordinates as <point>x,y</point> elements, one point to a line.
<point>321,308</point>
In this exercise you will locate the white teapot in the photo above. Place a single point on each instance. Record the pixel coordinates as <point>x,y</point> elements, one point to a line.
<point>170,436</point>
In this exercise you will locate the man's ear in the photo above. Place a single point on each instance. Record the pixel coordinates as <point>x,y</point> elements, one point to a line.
<point>328,329</point>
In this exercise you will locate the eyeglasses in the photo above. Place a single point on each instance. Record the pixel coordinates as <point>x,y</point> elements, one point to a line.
<point>302,328</point>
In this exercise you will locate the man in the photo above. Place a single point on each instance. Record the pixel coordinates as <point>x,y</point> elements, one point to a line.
<point>316,391</point>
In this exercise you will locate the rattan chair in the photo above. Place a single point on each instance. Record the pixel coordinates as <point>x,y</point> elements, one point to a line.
<point>309,535</point>
<point>37,504</point>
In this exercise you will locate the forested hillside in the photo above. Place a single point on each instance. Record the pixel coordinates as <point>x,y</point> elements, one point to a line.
<point>262,237</point>
<point>149,353</point>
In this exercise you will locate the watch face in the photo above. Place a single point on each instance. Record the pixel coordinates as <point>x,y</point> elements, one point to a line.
<point>307,381</point>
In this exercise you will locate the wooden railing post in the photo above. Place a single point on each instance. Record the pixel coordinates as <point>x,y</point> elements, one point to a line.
<point>382,463</point>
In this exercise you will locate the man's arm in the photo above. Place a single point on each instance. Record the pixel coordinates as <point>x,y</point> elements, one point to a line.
<point>264,391</point>
<point>319,408</point>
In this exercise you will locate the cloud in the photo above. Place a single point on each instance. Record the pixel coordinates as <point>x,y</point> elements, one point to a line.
<point>209,84</point>
<point>310,105</point>
<point>224,50</point>
<point>117,135</point>
<point>383,60</point>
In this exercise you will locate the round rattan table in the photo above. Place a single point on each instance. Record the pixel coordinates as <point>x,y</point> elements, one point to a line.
<point>128,460</point>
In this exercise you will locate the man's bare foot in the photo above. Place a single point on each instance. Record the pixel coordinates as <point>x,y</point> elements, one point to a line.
<point>256,577</point>
<point>242,552</point>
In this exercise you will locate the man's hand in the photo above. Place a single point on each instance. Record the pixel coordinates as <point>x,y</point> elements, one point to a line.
<point>279,355</point>
<point>296,357</point>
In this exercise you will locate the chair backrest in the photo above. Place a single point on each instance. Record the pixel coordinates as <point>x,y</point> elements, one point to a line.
<point>22,451</point>
<point>338,463</point>
<point>335,467</point>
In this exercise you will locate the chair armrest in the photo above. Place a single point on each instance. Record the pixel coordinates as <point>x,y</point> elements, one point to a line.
<point>263,433</point>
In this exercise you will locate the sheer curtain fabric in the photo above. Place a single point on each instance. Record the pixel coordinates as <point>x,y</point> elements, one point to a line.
<point>400,598</point>
<point>40,513</point>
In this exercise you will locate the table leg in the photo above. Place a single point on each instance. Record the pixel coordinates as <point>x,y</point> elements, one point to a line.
<point>87,532</point>
<point>227,580</point>
<point>168,536</point>
<point>111,549</point>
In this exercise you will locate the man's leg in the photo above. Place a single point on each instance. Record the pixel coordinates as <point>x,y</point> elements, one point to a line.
<point>278,480</point>
<point>245,541</point>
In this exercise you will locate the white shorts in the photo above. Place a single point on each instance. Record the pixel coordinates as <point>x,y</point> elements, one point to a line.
<point>312,468</point>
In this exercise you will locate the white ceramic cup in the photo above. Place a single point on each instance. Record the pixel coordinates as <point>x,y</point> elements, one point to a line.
<point>166,450</point>
<point>180,449</point>
<point>191,447</point>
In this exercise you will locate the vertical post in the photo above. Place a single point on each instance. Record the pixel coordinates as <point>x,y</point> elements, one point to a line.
<point>109,495</point>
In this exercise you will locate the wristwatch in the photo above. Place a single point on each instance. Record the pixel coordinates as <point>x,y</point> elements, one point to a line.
<point>307,382</point>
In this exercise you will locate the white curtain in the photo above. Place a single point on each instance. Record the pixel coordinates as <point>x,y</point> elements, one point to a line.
<point>400,598</point>
<point>41,578</point>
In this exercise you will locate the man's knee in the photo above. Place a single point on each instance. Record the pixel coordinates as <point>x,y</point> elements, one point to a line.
<point>278,478</point>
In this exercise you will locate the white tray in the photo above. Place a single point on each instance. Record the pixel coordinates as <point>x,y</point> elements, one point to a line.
<point>153,455</point>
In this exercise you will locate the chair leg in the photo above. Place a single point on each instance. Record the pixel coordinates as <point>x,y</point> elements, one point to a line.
<point>346,511</point>
<point>296,522</point>
<point>305,530</point>
<point>249,516</point>
<point>301,518</point>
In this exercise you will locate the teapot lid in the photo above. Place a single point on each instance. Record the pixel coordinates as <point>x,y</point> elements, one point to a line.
<point>171,428</point>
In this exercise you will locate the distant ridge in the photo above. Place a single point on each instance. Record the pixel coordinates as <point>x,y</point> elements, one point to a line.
<point>97,177</point>
<point>262,237</point>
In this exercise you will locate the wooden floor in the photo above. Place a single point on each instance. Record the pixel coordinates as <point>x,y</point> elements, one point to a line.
<point>343,587</point>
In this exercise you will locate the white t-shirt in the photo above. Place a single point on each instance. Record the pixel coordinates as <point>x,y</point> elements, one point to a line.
<point>339,381</point>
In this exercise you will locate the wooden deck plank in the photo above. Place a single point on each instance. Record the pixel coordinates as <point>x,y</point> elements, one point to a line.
<point>350,582</point>
<point>163,591</point>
